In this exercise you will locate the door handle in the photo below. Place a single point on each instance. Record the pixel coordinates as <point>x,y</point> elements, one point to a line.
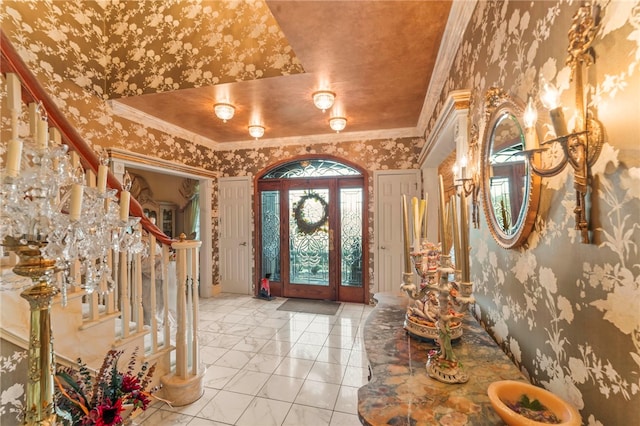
<point>383,248</point>
<point>244,243</point>
<point>331,240</point>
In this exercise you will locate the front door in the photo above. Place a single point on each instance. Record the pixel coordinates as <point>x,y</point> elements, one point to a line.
<point>311,237</point>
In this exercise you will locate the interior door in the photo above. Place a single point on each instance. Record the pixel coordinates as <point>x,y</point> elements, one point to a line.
<point>389,188</point>
<point>234,242</point>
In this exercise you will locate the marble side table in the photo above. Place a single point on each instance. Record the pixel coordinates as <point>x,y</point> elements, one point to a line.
<point>401,393</point>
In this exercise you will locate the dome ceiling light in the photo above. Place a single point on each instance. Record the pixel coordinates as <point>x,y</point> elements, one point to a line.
<point>337,123</point>
<point>323,99</point>
<point>256,131</point>
<point>224,111</point>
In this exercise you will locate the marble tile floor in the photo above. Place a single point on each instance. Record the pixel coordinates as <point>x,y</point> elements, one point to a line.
<point>269,368</point>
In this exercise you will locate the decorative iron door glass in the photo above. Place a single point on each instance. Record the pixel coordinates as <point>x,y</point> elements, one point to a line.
<point>309,236</point>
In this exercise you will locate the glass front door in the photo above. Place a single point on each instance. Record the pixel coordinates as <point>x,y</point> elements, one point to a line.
<point>311,237</point>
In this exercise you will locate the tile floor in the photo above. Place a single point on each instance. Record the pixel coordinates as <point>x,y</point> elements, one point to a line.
<point>268,367</point>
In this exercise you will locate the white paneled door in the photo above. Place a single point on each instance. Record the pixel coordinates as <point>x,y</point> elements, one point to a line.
<point>234,203</point>
<point>389,188</point>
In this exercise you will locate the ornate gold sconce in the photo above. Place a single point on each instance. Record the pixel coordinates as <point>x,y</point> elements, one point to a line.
<point>582,146</point>
<point>466,174</point>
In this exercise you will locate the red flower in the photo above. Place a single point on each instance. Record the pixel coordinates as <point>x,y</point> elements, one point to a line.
<point>130,383</point>
<point>108,413</point>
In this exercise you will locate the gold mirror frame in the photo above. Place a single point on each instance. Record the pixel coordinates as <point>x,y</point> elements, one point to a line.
<point>497,104</point>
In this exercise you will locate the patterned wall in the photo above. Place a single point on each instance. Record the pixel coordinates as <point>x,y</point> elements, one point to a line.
<point>567,313</point>
<point>571,322</point>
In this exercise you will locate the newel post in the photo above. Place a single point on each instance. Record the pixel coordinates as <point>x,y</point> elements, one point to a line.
<point>185,384</point>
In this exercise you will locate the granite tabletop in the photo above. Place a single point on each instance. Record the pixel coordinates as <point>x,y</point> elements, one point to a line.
<point>401,393</point>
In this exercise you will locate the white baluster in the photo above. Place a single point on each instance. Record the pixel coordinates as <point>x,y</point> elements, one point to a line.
<point>153,297</point>
<point>125,307</point>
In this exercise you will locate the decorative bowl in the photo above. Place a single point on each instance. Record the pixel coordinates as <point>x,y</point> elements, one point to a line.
<point>506,392</point>
<point>428,332</point>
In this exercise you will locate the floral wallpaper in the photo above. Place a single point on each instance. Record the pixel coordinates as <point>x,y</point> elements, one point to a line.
<point>571,322</point>
<point>567,313</point>
<point>13,368</point>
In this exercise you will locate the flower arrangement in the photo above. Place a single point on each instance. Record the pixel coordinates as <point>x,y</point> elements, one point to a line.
<point>107,399</point>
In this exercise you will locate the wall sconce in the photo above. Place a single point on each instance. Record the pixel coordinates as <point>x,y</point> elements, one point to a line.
<point>323,99</point>
<point>256,131</point>
<point>582,146</point>
<point>337,123</point>
<point>224,111</point>
<point>466,176</point>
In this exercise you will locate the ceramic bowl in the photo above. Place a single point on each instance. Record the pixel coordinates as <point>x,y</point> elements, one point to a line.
<point>511,391</point>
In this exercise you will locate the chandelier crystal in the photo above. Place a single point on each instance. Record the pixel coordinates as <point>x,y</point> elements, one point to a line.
<point>224,111</point>
<point>337,123</point>
<point>256,131</point>
<point>323,99</point>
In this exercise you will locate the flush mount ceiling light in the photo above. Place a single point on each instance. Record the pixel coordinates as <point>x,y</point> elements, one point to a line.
<point>323,99</point>
<point>224,111</point>
<point>337,123</point>
<point>256,131</point>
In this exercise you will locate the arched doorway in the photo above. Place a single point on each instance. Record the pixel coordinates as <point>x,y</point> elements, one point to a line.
<point>310,220</point>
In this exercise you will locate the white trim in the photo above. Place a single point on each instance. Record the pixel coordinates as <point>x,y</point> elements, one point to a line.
<point>124,159</point>
<point>434,149</point>
<point>459,16</point>
<point>206,250</point>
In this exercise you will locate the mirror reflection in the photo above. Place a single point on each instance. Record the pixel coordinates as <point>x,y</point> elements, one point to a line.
<point>510,191</point>
<point>508,177</point>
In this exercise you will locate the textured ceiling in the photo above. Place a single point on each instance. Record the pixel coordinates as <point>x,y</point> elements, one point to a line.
<point>378,56</point>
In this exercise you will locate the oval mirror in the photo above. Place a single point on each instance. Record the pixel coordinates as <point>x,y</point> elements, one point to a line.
<point>510,191</point>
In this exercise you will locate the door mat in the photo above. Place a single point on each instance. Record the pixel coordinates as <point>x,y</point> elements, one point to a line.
<point>309,306</point>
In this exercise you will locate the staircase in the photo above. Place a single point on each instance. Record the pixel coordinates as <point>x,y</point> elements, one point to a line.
<point>153,305</point>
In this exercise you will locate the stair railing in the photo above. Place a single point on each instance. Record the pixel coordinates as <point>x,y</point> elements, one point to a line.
<point>127,300</point>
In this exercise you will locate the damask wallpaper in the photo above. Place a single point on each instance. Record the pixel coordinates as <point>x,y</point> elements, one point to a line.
<point>567,313</point>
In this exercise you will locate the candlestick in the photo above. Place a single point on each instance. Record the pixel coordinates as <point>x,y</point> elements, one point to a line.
<point>42,134</point>
<point>416,223</point>
<point>425,203</point>
<point>453,213</point>
<point>441,216</point>
<point>14,157</point>
<point>77,193</point>
<point>405,228</point>
<point>464,238</point>
<point>102,178</point>
<point>125,197</point>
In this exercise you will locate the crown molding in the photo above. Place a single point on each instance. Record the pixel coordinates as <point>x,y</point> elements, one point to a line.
<point>148,120</point>
<point>132,114</point>
<point>159,165</point>
<point>459,16</point>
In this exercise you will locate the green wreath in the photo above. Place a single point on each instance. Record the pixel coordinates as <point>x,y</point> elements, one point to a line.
<point>302,222</point>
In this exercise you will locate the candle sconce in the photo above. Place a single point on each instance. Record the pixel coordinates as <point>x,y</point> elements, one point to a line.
<point>580,147</point>
<point>467,176</point>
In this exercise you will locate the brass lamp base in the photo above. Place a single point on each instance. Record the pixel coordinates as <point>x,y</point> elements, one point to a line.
<point>39,407</point>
